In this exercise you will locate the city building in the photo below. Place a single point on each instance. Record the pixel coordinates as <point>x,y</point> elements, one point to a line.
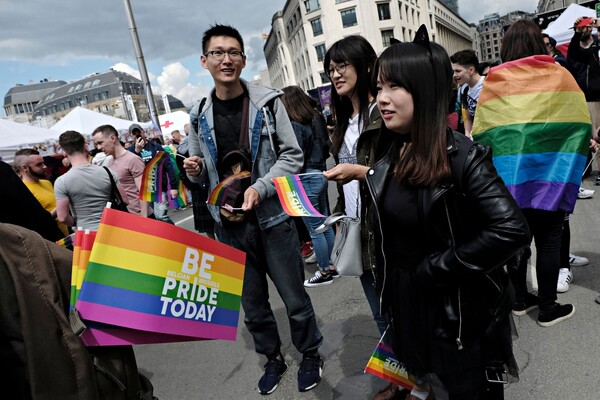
<point>490,32</point>
<point>451,4</point>
<point>20,100</point>
<point>302,32</point>
<point>114,93</point>
<point>551,5</point>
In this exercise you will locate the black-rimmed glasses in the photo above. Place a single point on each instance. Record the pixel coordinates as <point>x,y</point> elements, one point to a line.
<point>340,68</point>
<point>219,55</point>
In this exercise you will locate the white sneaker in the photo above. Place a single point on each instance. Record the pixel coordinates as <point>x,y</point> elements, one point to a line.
<point>311,259</point>
<point>585,193</point>
<point>577,261</point>
<point>565,277</point>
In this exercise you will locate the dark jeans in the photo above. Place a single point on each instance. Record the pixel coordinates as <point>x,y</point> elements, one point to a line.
<point>274,252</point>
<point>565,244</point>
<point>367,280</point>
<point>546,229</point>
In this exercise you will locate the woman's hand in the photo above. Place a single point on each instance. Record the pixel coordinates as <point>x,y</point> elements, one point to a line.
<point>344,173</point>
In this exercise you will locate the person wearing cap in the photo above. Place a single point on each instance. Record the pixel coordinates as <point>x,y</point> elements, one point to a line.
<point>147,149</point>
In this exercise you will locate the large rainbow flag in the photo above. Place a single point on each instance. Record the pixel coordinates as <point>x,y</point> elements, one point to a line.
<point>384,364</point>
<point>534,117</point>
<point>293,198</point>
<point>149,276</point>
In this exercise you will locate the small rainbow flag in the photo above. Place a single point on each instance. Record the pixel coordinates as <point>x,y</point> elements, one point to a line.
<point>67,241</point>
<point>216,196</point>
<point>533,115</point>
<point>384,364</point>
<point>182,198</point>
<point>149,276</point>
<point>152,182</point>
<point>293,197</point>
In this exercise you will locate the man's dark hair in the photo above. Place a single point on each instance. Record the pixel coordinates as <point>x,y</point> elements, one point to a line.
<point>27,152</point>
<point>106,130</point>
<point>466,58</point>
<point>72,142</point>
<point>221,30</point>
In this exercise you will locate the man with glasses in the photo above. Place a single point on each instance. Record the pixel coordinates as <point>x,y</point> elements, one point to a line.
<point>240,118</point>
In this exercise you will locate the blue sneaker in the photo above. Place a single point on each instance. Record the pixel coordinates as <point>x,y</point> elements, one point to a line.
<point>274,370</point>
<point>309,374</point>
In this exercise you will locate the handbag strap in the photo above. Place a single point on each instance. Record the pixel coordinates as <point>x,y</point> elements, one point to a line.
<point>332,219</point>
<point>113,186</point>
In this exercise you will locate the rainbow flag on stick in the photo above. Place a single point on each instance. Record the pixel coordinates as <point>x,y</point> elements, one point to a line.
<point>220,191</point>
<point>152,182</point>
<point>293,197</point>
<point>182,198</point>
<point>534,117</point>
<point>384,364</point>
<point>149,276</point>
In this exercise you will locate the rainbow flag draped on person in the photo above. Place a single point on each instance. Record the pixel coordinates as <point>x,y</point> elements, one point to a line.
<point>293,198</point>
<point>533,115</point>
<point>150,276</point>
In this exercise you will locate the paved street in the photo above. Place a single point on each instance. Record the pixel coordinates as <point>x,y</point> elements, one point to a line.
<point>560,362</point>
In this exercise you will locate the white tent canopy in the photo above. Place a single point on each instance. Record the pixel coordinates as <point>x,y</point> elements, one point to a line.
<point>15,136</point>
<point>561,29</point>
<point>86,121</point>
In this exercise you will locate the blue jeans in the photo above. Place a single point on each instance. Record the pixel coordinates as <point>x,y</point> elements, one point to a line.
<point>274,252</point>
<point>367,280</point>
<point>160,209</point>
<point>316,190</point>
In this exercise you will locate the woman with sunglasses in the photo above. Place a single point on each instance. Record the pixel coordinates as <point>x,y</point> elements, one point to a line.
<point>445,225</point>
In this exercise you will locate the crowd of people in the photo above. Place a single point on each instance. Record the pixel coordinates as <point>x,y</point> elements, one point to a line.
<point>445,232</point>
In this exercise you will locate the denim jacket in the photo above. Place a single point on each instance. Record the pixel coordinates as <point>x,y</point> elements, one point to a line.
<point>273,147</point>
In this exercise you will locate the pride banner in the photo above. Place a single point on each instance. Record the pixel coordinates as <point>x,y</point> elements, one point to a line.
<point>384,364</point>
<point>149,276</point>
<point>293,197</point>
<point>533,115</point>
<point>152,182</point>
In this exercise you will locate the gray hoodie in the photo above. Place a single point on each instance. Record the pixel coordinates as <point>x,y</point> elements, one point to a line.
<point>273,146</point>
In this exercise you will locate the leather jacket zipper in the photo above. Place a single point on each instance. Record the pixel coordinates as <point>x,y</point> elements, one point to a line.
<point>374,198</point>
<point>453,244</point>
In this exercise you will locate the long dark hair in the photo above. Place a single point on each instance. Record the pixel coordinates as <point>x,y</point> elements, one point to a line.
<point>357,51</point>
<point>298,104</point>
<point>522,39</point>
<point>425,72</point>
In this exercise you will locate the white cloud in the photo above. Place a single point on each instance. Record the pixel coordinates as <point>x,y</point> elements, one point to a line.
<point>474,10</point>
<point>174,81</point>
<point>122,67</point>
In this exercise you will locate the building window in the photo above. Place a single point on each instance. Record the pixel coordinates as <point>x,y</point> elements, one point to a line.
<point>340,1</point>
<point>71,90</point>
<point>324,78</point>
<point>383,10</point>
<point>78,87</point>
<point>87,85</point>
<point>96,82</point>
<point>317,28</point>
<point>349,17</point>
<point>386,36</point>
<point>320,48</point>
<point>311,5</point>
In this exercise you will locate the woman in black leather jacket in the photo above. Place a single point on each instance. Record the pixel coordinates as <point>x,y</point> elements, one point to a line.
<point>445,227</point>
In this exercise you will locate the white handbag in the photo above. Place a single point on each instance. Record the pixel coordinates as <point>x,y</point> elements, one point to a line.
<point>346,255</point>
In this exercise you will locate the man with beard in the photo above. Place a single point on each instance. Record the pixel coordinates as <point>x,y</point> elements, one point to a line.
<point>33,172</point>
<point>583,62</point>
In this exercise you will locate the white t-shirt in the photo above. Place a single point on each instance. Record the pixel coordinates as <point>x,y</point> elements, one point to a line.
<point>473,96</point>
<point>347,155</point>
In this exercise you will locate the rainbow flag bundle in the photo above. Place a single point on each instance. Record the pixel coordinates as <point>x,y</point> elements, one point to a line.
<point>293,198</point>
<point>153,282</point>
<point>152,182</point>
<point>535,118</point>
<point>384,364</point>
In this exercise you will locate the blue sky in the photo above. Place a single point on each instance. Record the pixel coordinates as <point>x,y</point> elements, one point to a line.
<point>66,40</point>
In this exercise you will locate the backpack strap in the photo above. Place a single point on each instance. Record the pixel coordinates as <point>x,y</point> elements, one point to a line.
<point>200,107</point>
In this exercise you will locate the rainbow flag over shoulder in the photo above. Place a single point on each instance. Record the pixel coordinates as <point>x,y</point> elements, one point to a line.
<point>384,364</point>
<point>149,276</point>
<point>535,118</point>
<point>293,198</point>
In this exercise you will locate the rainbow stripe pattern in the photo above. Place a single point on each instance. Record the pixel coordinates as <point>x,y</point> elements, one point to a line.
<point>154,277</point>
<point>293,198</point>
<point>533,115</point>
<point>384,364</point>
<point>216,195</point>
<point>182,198</point>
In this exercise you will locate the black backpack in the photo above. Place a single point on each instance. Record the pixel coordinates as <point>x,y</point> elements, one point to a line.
<point>41,358</point>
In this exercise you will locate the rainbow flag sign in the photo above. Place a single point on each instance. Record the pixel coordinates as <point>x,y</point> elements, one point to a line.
<point>293,197</point>
<point>384,364</point>
<point>533,115</point>
<point>182,198</point>
<point>149,276</point>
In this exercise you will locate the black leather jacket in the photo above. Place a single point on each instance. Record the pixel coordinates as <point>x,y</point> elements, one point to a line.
<point>473,226</point>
